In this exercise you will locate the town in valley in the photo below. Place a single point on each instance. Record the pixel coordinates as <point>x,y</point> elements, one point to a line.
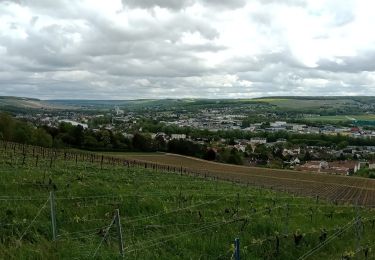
<point>332,135</point>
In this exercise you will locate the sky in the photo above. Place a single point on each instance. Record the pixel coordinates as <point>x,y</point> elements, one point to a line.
<point>132,49</point>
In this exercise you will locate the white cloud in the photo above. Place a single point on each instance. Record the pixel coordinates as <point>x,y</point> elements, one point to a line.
<point>142,82</point>
<point>188,48</point>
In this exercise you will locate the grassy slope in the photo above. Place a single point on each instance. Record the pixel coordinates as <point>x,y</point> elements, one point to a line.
<point>286,103</point>
<point>164,215</point>
<point>309,184</point>
<point>367,117</point>
<point>20,102</point>
<point>296,103</point>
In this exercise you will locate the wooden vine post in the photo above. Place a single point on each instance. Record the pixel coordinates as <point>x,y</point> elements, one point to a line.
<point>119,232</point>
<point>237,249</point>
<point>53,215</point>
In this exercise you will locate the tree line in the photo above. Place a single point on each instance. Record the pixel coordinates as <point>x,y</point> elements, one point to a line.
<point>294,138</point>
<point>66,135</point>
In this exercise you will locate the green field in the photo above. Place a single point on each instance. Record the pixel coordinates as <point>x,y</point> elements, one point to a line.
<point>307,103</point>
<point>28,103</point>
<point>366,117</point>
<point>163,215</point>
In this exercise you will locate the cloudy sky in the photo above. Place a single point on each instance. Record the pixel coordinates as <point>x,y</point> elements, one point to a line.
<point>132,49</point>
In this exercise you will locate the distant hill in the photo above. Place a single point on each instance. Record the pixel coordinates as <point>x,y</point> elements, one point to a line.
<point>318,102</point>
<point>152,103</point>
<point>9,103</point>
<point>322,105</point>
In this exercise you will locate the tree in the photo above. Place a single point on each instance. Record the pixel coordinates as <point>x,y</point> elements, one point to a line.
<point>90,142</point>
<point>159,143</point>
<point>22,132</point>
<point>42,138</point>
<point>307,156</point>
<point>342,145</point>
<point>105,138</point>
<point>77,134</point>
<point>235,157</point>
<point>6,126</point>
<point>119,141</point>
<point>210,155</point>
<point>261,152</point>
<point>185,147</point>
<point>142,142</point>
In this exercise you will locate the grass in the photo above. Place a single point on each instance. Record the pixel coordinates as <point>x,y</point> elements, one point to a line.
<point>164,215</point>
<point>345,118</point>
<point>326,186</point>
<point>311,103</point>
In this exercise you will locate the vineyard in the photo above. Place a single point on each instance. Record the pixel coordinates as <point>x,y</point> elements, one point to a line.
<point>57,204</point>
<point>338,189</point>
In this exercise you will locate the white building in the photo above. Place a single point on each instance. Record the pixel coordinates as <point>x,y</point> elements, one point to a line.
<point>297,127</point>
<point>178,136</point>
<point>128,136</point>
<point>240,147</point>
<point>278,124</point>
<point>250,129</point>
<point>258,140</point>
<point>118,111</point>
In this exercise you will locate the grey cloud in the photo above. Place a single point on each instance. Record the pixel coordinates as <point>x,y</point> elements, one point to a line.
<point>262,17</point>
<point>233,4</point>
<point>363,62</point>
<point>342,14</point>
<point>169,66</point>
<point>34,20</point>
<point>147,58</point>
<point>181,4</point>
<point>258,62</point>
<point>343,18</point>
<point>171,4</point>
<point>300,3</point>
<point>62,9</point>
<point>140,51</point>
<point>49,46</point>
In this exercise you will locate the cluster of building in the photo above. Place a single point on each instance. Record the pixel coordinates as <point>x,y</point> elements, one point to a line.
<point>335,167</point>
<point>211,119</point>
<point>305,129</point>
<point>214,120</point>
